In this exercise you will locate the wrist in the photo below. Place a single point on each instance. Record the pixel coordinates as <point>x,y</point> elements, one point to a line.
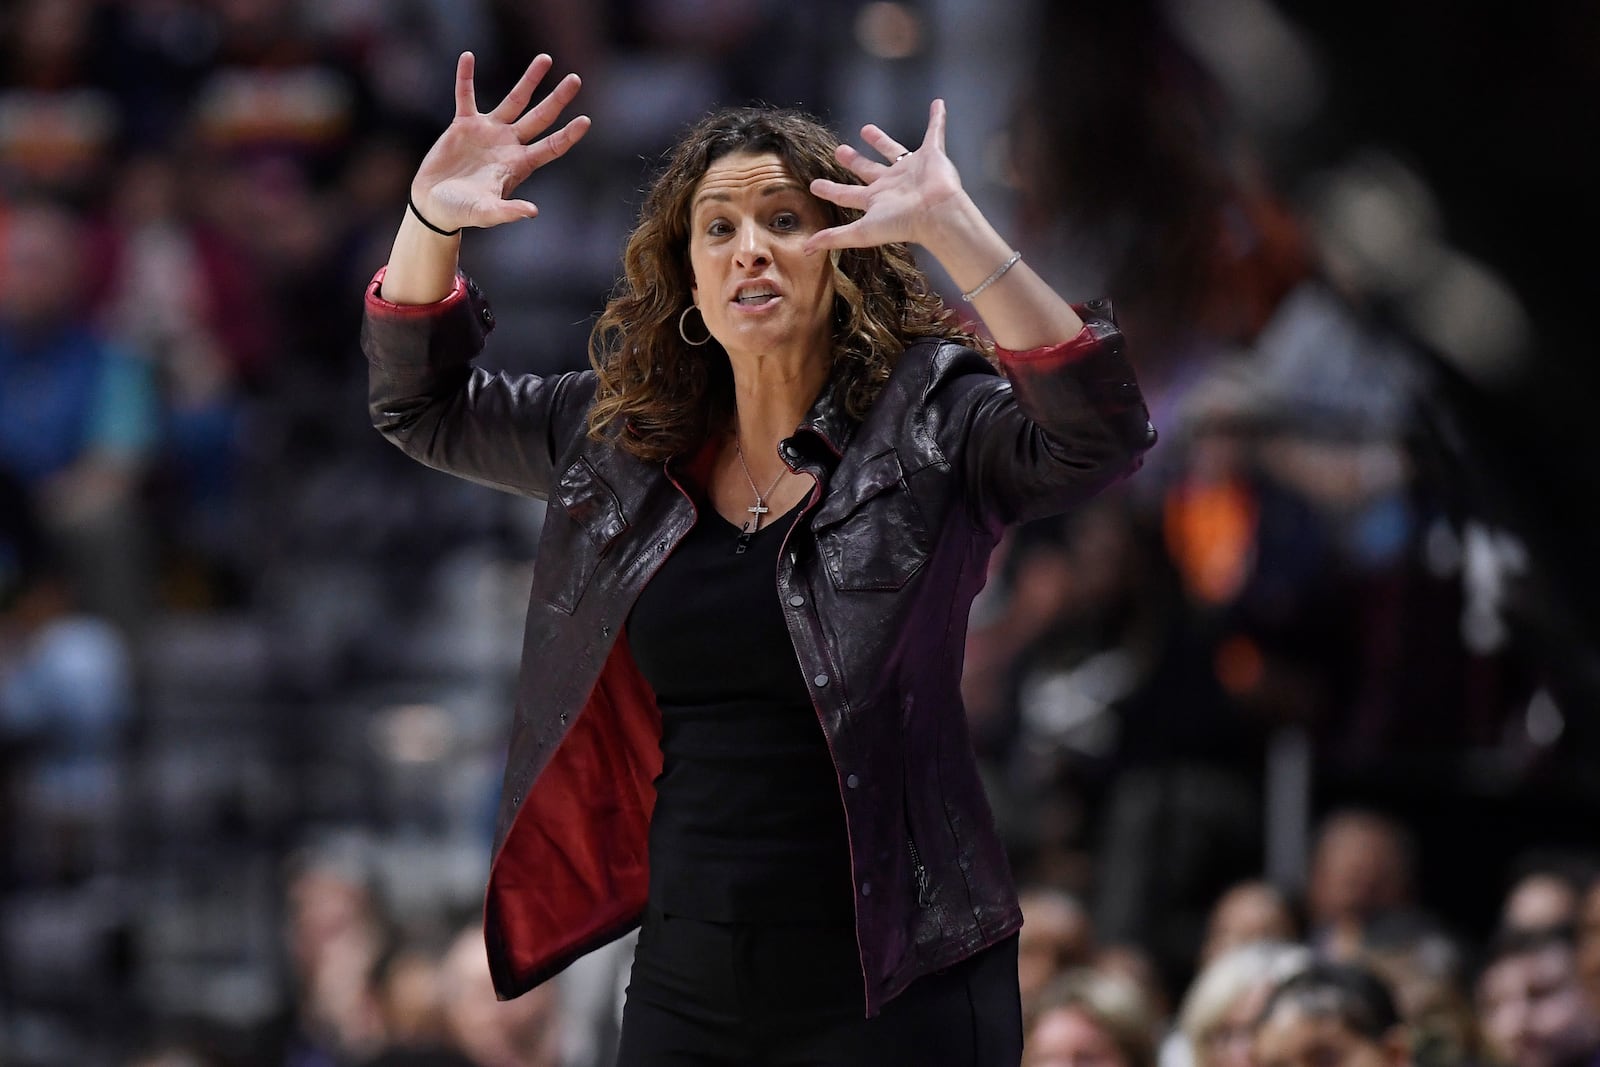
<point>964,243</point>
<point>428,220</point>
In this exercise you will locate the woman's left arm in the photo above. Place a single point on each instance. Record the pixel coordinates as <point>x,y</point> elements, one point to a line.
<point>1069,419</point>
<point>916,197</point>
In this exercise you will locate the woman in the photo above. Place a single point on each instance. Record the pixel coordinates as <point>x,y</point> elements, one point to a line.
<point>771,503</point>
<point>1217,1019</point>
<point>1088,1018</point>
<point>1332,1015</point>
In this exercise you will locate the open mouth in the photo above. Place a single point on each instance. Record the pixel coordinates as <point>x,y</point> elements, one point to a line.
<point>755,297</point>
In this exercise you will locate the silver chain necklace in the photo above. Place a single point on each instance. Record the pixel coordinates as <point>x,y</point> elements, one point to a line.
<point>760,508</point>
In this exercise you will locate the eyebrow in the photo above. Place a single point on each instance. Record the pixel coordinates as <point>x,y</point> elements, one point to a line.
<point>786,185</point>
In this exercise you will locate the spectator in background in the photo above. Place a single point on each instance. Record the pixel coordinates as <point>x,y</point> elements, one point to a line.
<point>1589,942</point>
<point>525,1032</point>
<point>78,415</point>
<point>1217,1019</point>
<point>1247,913</point>
<point>409,983</point>
<point>58,122</point>
<point>1056,937</point>
<point>335,931</point>
<point>1331,1015</point>
<point>1089,1019</point>
<point>66,693</point>
<point>1130,962</point>
<point>1363,866</point>
<point>1541,899</point>
<point>1422,965</point>
<point>185,296</point>
<point>1532,1005</point>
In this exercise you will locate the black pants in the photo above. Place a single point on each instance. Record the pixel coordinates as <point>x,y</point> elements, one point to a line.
<point>742,995</point>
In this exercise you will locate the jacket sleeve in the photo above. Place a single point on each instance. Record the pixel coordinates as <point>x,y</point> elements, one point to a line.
<point>426,397</point>
<point>1063,423</point>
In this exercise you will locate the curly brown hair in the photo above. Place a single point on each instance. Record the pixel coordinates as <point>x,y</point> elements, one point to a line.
<point>659,397</point>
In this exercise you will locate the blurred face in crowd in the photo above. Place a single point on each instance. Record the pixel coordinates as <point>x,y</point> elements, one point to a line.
<point>1589,943</point>
<point>1228,1042</point>
<point>40,264</point>
<point>491,1032</point>
<point>1250,911</point>
<point>1540,901</point>
<point>1534,1011</point>
<point>1055,935</point>
<point>1292,1037</point>
<point>1070,1037</point>
<point>1437,1010</point>
<point>1360,868</point>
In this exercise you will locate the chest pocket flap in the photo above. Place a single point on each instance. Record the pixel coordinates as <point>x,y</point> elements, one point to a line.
<point>870,531</point>
<point>592,507</point>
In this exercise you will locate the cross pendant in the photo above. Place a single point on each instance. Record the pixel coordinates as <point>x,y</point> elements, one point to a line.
<point>758,509</point>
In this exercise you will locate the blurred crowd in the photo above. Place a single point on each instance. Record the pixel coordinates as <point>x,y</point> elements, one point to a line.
<point>1287,732</point>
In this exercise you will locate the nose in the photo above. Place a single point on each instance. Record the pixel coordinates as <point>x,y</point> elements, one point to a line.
<point>752,249</point>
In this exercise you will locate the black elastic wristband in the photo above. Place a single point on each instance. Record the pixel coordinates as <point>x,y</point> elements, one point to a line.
<point>412,204</point>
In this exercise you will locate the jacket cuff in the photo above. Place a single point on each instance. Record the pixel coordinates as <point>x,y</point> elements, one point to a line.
<point>377,305</point>
<point>1099,324</point>
<point>446,332</point>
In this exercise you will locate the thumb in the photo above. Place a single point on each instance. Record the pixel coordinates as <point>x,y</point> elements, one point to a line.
<point>496,212</point>
<point>849,235</point>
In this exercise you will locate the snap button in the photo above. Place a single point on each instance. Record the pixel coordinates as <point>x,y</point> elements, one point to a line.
<point>661,546</point>
<point>866,889</point>
<point>851,781</point>
<point>820,681</point>
<point>796,601</point>
<point>563,718</point>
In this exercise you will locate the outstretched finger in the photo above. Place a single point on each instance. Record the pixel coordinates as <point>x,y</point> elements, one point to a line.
<point>934,138</point>
<point>556,145</point>
<point>466,97</point>
<point>891,149</point>
<point>844,194</point>
<point>517,99</point>
<point>863,167</point>
<point>850,235</point>
<point>544,113</point>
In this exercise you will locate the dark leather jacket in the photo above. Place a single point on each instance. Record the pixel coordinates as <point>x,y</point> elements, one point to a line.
<point>876,578</point>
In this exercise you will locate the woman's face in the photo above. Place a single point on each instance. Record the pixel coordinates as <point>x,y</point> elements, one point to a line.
<point>1067,1037</point>
<point>1227,1042</point>
<point>757,291</point>
<point>1292,1038</point>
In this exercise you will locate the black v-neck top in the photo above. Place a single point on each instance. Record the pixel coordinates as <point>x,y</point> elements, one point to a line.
<point>748,823</point>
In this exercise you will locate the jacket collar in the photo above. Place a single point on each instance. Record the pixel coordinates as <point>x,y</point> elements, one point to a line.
<point>828,421</point>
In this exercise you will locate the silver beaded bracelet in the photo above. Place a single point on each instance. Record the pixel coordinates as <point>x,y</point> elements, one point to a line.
<point>999,272</point>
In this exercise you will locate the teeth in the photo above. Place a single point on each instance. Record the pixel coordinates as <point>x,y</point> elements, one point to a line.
<point>756,297</point>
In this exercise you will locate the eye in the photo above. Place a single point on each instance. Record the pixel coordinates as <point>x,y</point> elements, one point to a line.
<point>786,220</point>
<point>719,228</point>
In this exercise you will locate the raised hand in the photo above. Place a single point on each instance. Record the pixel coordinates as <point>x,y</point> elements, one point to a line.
<point>904,197</point>
<point>467,175</point>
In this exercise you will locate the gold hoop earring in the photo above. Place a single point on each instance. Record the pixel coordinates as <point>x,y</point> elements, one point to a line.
<point>685,334</point>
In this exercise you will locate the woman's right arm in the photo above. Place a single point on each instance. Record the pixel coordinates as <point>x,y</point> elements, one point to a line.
<point>425,323</point>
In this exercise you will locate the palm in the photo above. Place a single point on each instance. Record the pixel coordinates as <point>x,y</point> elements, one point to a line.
<point>472,168</point>
<point>900,199</point>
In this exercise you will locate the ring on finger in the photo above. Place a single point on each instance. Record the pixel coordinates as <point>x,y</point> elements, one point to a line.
<point>901,156</point>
